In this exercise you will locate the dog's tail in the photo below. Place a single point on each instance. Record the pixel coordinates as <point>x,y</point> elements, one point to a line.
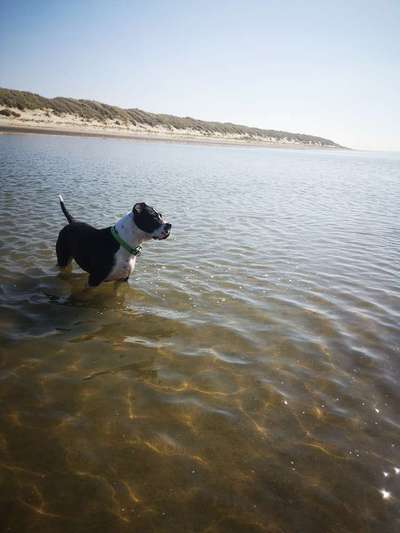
<point>64,210</point>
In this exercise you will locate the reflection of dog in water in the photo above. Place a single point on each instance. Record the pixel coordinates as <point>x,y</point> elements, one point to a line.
<point>109,254</point>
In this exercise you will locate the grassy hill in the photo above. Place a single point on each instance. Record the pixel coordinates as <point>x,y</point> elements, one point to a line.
<point>89,110</point>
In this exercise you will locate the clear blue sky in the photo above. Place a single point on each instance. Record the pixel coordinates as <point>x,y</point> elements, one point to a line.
<point>329,68</point>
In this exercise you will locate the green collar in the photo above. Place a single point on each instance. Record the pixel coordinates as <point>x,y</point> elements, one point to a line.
<point>124,244</point>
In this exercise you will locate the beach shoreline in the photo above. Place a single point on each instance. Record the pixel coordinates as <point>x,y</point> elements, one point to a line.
<point>7,127</point>
<point>47,121</point>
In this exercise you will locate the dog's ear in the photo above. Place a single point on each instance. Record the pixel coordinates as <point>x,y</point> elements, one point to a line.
<point>138,208</point>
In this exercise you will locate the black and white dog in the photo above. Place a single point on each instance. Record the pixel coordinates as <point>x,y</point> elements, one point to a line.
<point>109,254</point>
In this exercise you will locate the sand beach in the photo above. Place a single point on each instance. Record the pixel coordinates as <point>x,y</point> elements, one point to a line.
<point>45,121</point>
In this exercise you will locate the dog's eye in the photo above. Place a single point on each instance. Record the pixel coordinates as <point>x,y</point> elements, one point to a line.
<point>160,215</point>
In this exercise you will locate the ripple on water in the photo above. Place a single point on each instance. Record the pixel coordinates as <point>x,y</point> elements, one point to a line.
<point>246,377</point>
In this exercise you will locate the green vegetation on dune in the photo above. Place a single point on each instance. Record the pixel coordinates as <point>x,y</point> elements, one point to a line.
<point>91,110</point>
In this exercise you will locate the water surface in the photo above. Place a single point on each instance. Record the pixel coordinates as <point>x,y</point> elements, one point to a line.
<point>246,379</point>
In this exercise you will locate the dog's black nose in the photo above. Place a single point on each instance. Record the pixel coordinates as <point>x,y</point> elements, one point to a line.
<point>168,226</point>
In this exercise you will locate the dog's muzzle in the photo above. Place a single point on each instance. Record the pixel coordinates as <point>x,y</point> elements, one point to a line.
<point>165,232</point>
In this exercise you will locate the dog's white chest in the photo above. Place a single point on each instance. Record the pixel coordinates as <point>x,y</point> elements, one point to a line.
<point>123,266</point>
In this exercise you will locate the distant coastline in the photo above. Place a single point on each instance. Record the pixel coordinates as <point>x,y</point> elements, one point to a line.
<point>23,112</point>
<point>5,127</point>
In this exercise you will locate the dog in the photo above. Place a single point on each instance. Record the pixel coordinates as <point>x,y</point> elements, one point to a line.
<point>109,254</point>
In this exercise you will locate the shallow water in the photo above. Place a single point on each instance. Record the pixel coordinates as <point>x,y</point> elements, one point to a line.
<point>246,378</point>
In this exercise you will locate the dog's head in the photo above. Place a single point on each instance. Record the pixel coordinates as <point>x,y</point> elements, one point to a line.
<point>150,222</point>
